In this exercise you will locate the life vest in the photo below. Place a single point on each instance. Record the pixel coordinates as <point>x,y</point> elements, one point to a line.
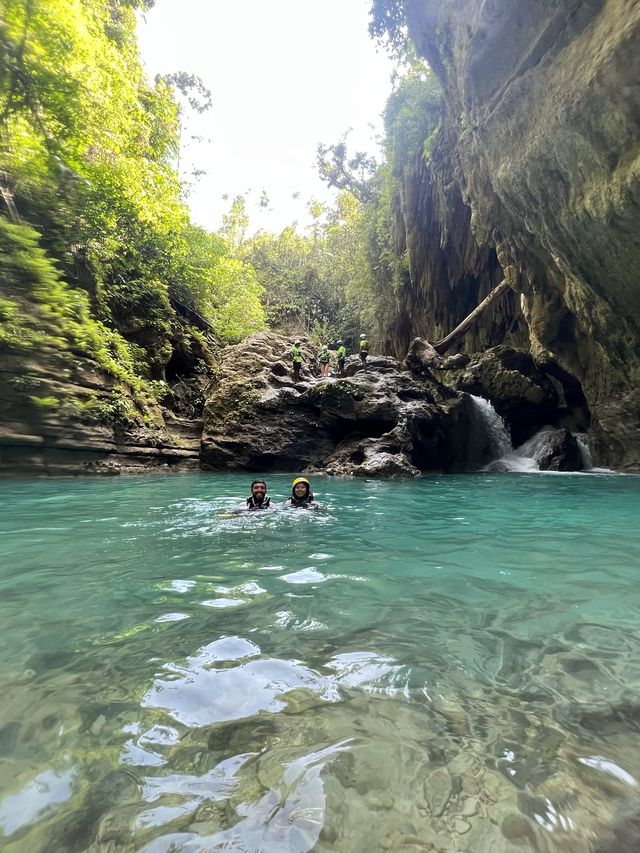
<point>296,354</point>
<point>307,499</point>
<point>251,503</point>
<point>342,351</point>
<point>364,346</point>
<point>324,357</point>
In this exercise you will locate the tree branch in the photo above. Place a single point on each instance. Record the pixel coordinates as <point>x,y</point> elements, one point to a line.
<point>443,345</point>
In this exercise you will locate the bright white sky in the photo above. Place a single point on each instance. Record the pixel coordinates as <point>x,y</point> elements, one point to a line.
<point>284,76</point>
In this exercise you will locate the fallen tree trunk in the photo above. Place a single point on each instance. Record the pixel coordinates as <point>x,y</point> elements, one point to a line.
<point>443,345</point>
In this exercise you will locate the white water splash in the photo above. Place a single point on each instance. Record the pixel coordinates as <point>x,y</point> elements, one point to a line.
<point>493,425</point>
<point>587,462</point>
<point>526,457</point>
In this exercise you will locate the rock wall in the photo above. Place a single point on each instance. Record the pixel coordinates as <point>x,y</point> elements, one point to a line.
<point>394,420</point>
<point>72,418</point>
<point>539,150</point>
<point>449,271</point>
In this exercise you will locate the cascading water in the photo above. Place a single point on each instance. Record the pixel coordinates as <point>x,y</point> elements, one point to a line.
<point>490,425</point>
<point>498,448</point>
<point>585,452</point>
<point>497,453</point>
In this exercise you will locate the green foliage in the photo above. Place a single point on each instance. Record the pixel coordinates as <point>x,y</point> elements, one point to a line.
<point>239,311</point>
<point>367,269</point>
<point>235,224</point>
<point>352,173</point>
<point>118,411</point>
<point>413,117</point>
<point>191,87</point>
<point>388,24</point>
<point>38,309</point>
<point>45,403</point>
<point>88,157</point>
<point>313,283</point>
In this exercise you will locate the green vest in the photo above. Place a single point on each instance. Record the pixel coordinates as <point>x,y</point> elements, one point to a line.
<point>364,346</point>
<point>324,357</point>
<point>342,351</point>
<point>296,355</point>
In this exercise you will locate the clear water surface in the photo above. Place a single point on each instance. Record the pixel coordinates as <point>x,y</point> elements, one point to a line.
<point>446,664</point>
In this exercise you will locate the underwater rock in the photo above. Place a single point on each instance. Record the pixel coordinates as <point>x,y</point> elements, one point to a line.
<point>624,832</point>
<point>438,789</point>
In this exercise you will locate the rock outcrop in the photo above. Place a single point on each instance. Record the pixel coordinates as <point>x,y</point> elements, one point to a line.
<point>535,174</point>
<point>62,418</point>
<point>387,422</point>
<point>526,396</point>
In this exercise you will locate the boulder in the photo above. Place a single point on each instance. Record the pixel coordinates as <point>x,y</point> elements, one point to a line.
<point>523,394</point>
<point>556,450</point>
<point>423,357</point>
<point>385,422</point>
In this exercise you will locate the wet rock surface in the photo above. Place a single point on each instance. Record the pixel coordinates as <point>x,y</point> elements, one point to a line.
<point>60,418</point>
<point>527,397</point>
<point>560,452</point>
<point>384,422</point>
<point>533,170</point>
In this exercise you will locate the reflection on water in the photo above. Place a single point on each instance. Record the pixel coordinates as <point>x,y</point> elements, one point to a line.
<point>448,664</point>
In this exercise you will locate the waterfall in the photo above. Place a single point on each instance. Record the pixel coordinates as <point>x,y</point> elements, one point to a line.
<point>497,446</point>
<point>492,426</point>
<point>587,462</point>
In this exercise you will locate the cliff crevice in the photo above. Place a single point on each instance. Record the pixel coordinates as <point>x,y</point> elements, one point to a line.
<point>536,169</point>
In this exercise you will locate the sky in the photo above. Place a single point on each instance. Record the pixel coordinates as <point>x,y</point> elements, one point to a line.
<point>284,75</point>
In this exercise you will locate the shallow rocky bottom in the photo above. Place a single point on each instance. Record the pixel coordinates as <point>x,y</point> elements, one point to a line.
<point>387,674</point>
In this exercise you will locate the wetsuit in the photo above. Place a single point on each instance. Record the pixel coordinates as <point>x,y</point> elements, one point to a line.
<point>307,502</point>
<point>324,358</point>
<point>253,504</point>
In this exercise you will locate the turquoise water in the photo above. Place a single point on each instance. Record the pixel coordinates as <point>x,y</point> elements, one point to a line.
<point>447,664</point>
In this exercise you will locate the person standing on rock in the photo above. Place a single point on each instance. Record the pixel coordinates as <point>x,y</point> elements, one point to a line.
<point>324,358</point>
<point>258,498</point>
<point>364,351</point>
<point>342,355</point>
<point>296,355</point>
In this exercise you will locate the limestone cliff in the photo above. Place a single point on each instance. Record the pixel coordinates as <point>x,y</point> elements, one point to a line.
<point>62,416</point>
<point>536,164</point>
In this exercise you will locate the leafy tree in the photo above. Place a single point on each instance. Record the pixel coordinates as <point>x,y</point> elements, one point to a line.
<point>88,153</point>
<point>235,223</point>
<point>340,170</point>
<point>388,24</point>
